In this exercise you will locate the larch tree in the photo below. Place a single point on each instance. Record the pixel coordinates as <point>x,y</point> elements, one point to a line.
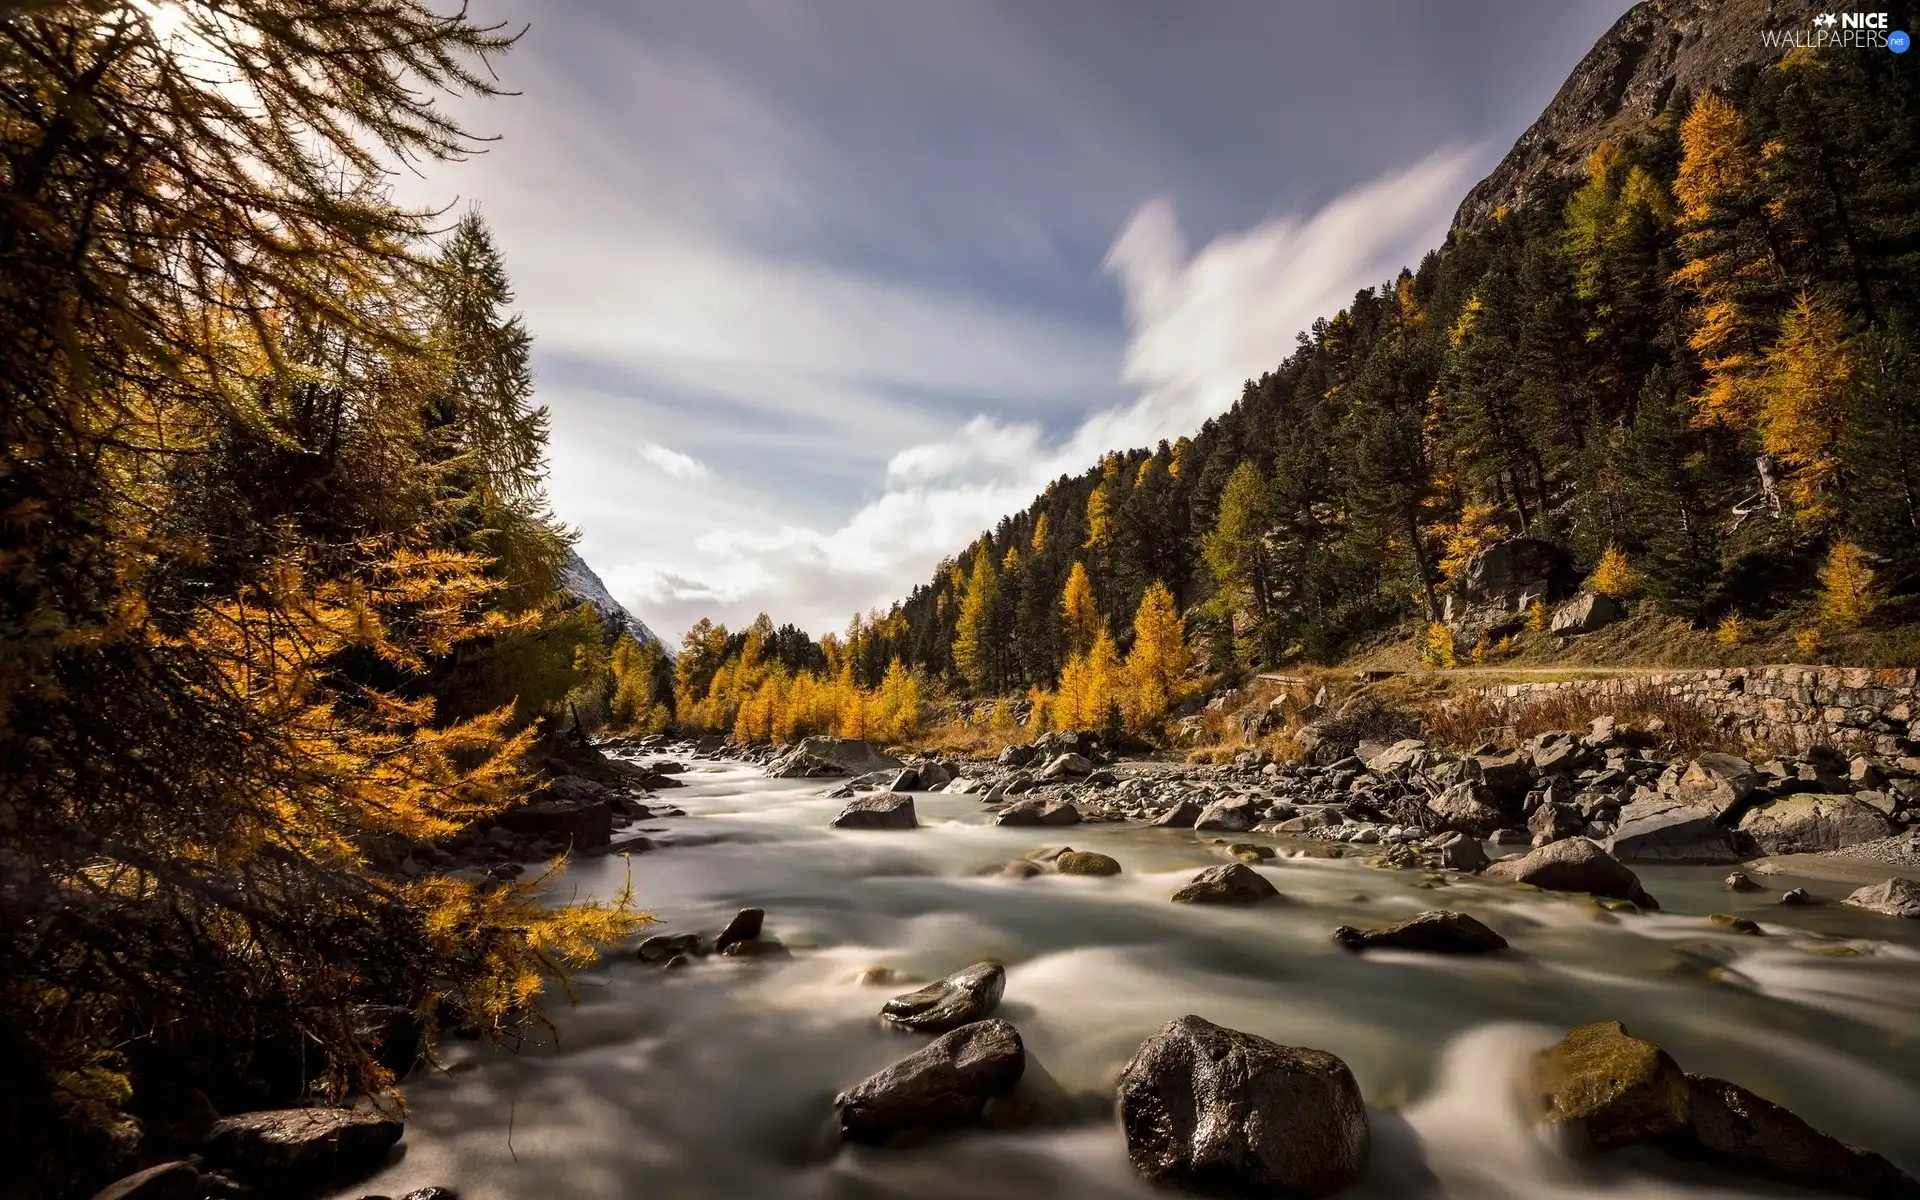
<point>973,643</point>
<point>1808,391</point>
<point>1158,663</point>
<point>1080,611</point>
<point>1235,552</point>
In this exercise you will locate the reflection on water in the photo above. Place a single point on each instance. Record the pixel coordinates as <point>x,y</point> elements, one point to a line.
<point>717,1081</point>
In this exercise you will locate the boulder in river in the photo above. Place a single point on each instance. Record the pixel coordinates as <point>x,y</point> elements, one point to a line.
<point>888,810</point>
<point>1616,1089</point>
<point>1085,862</point>
<point>1730,1126</point>
<point>167,1181</point>
<point>1038,812</point>
<point>1458,852</point>
<point>960,999</point>
<point>1573,865</point>
<point>1217,1110</point>
<point>826,757</point>
<point>943,1084</point>
<point>1894,898</point>
<point>1438,930</point>
<point>1234,883</point>
<point>1811,822</point>
<point>1661,828</point>
<point>307,1147</point>
<point>745,927</point>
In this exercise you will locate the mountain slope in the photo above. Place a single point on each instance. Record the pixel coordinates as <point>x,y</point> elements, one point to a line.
<point>580,582</point>
<point>1658,50</point>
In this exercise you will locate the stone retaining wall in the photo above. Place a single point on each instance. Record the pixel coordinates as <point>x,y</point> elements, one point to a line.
<point>1848,708</point>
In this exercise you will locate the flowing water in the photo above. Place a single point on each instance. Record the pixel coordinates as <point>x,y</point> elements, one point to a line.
<point>717,1081</point>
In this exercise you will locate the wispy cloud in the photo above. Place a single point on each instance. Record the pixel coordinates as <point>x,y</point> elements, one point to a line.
<point>674,463</point>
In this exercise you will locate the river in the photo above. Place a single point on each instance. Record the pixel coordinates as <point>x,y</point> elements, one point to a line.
<point>716,1082</point>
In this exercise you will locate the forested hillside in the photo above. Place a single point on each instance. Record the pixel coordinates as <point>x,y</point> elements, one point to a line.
<point>1601,370</point>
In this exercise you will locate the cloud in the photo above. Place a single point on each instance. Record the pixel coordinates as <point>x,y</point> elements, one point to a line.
<point>1199,323</point>
<point>674,463</point>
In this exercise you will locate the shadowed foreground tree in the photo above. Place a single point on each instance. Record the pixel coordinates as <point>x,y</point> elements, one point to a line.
<point>245,524</point>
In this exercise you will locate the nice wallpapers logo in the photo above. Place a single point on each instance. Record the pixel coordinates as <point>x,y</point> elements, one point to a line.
<point>1855,30</point>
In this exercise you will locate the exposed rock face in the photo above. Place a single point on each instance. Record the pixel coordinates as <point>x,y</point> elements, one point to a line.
<point>944,1084</point>
<point>1812,822</point>
<point>889,810</point>
<point>1436,930</point>
<point>1573,865</point>
<point>1586,613</point>
<point>1498,584</point>
<point>1221,1111</point>
<point>1894,898</point>
<point>1613,1087</point>
<point>1655,51</point>
<point>829,757</point>
<point>301,1146</point>
<point>1658,828</point>
<point>1234,883</point>
<point>960,999</point>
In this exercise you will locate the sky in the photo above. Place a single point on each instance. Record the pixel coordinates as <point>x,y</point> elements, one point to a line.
<point>821,289</point>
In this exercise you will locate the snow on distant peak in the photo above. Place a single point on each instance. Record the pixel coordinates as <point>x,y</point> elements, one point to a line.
<point>580,582</point>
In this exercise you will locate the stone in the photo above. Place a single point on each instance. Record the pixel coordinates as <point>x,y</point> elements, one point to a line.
<point>167,1181</point>
<point>1233,815</point>
<point>1437,930</point>
<point>1404,753</point>
<point>1215,1110</point>
<point>1085,862</point>
<point>745,927</point>
<point>1586,613</point>
<point>960,999</point>
<point>1736,923</point>
<point>942,1085</point>
<point>1661,828</point>
<point>826,757</point>
<point>581,824</point>
<point>1467,808</point>
<point>1458,852</point>
<point>1573,865</point>
<point>310,1147</point>
<point>1508,776</point>
<point>1038,812</point>
<point>906,779</point>
<point>1067,765</point>
<point>1616,1089</point>
<point>1894,898</point>
<point>885,811</point>
<point>663,946</point>
<point>1551,822</point>
<point>1811,822</point>
<point>1233,883</point>
<point>1496,585</point>
<point>1181,816</point>
<point>1734,1128</point>
<point>1720,783</point>
<point>432,1193</point>
<point>1740,881</point>
<point>1019,868</point>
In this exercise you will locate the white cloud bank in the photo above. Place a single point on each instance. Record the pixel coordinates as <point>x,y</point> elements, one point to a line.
<point>674,463</point>
<point>1199,324</point>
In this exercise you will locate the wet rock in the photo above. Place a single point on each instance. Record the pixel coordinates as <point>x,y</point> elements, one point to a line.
<point>168,1181</point>
<point>1811,822</point>
<point>1738,924</point>
<point>1437,930</point>
<point>885,811</point>
<point>1019,868</point>
<point>1894,898</point>
<point>580,824</point>
<point>300,1146</point>
<point>1740,881</point>
<point>663,946</point>
<point>1216,1110</point>
<point>1085,862</point>
<point>1658,828</point>
<point>942,1085</point>
<point>1234,883</point>
<point>432,1193</point>
<point>1799,896</point>
<point>1573,865</point>
<point>745,927</point>
<point>1734,1128</point>
<point>906,779</point>
<point>1458,852</point>
<point>1616,1089</point>
<point>1234,815</point>
<point>1181,816</point>
<point>960,999</point>
<point>824,757</point>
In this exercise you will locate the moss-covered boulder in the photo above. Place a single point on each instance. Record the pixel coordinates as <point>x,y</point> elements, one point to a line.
<point>1615,1089</point>
<point>1085,862</point>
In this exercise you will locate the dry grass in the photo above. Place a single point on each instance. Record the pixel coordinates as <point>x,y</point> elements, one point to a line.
<point>957,739</point>
<point>1473,718</point>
